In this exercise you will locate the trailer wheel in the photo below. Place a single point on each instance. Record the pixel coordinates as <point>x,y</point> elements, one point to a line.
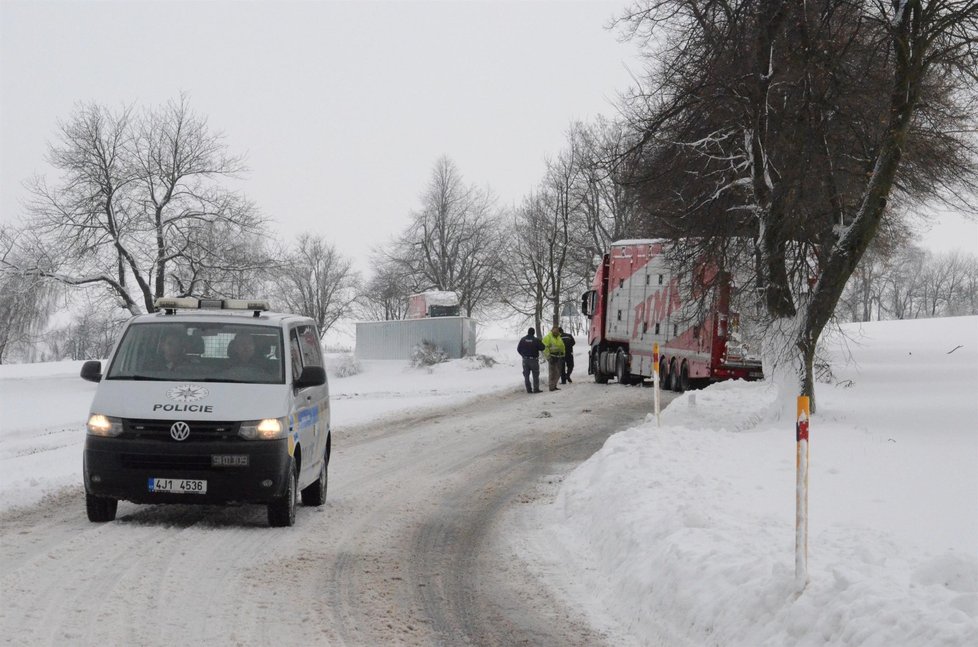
<point>674,376</point>
<point>664,382</point>
<point>620,373</point>
<point>683,378</point>
<point>599,377</point>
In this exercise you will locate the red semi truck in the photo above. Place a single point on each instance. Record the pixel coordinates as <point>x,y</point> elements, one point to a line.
<point>639,299</point>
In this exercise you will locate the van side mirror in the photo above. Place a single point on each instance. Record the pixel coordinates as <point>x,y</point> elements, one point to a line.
<point>92,370</point>
<point>311,376</point>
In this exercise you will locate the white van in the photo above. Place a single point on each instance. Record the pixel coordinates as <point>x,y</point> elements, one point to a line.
<point>209,401</point>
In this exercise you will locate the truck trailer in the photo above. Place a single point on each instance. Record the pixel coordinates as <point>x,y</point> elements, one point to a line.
<point>640,298</point>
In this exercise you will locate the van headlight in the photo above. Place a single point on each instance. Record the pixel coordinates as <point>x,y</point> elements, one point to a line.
<point>100,425</point>
<point>267,429</point>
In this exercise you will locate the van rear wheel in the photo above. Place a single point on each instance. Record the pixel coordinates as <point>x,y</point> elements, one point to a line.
<point>281,510</point>
<point>100,508</point>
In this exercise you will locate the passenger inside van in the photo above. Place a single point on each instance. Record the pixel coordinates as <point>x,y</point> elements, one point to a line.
<point>241,349</point>
<point>245,360</point>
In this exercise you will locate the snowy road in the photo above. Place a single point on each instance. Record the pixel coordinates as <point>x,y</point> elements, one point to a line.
<point>408,550</point>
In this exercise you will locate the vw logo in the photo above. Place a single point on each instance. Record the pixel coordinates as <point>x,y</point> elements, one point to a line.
<point>179,431</point>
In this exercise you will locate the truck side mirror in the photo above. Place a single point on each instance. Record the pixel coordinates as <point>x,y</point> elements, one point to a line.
<point>311,376</point>
<point>92,370</point>
<point>587,304</point>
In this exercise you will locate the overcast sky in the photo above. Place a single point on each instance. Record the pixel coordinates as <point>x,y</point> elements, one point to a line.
<point>341,108</point>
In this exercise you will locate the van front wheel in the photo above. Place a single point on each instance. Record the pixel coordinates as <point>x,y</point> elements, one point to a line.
<point>100,508</point>
<point>281,511</point>
<point>315,492</point>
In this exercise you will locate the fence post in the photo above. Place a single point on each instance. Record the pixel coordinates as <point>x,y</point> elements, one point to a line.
<point>801,493</point>
<point>655,379</point>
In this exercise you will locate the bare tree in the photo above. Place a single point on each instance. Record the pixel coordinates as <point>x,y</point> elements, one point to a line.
<point>138,208</point>
<point>526,275</point>
<point>318,282</point>
<point>385,296</point>
<point>608,208</point>
<point>902,284</point>
<point>800,124</point>
<point>453,242</point>
<point>90,335</point>
<point>943,279</point>
<point>563,211</point>
<point>27,301</point>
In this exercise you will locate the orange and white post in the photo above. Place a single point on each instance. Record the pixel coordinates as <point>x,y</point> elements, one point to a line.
<point>801,493</point>
<point>655,378</point>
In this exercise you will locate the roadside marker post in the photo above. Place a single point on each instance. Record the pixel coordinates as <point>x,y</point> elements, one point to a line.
<point>801,493</point>
<point>655,378</point>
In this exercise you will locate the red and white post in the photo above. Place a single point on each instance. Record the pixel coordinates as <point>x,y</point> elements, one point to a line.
<point>801,493</point>
<point>655,378</point>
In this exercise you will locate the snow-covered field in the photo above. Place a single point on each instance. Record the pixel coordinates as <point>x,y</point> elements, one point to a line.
<point>684,533</point>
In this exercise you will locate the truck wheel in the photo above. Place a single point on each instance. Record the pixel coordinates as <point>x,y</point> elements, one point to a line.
<point>620,373</point>
<point>664,383</point>
<point>281,510</point>
<point>683,379</point>
<point>100,508</point>
<point>599,377</point>
<point>315,493</point>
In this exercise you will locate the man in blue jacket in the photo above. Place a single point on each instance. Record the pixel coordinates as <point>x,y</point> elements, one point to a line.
<point>529,349</point>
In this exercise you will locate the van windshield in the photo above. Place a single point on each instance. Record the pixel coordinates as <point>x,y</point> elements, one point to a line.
<point>200,352</point>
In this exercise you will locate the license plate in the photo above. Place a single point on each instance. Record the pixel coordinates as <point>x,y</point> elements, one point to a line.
<point>229,460</point>
<point>178,486</point>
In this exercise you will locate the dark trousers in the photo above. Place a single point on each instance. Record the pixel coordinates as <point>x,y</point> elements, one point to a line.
<point>531,366</point>
<point>568,367</point>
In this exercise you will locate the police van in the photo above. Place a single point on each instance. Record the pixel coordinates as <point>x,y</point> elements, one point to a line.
<point>209,401</point>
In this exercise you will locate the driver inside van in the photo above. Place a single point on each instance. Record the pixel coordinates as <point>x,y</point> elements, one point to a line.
<point>173,352</point>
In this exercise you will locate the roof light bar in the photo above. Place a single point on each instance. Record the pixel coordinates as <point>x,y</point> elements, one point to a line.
<point>246,304</point>
<point>172,303</point>
<point>192,303</point>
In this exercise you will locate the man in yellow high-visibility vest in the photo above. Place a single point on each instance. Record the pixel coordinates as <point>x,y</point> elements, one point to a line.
<point>554,352</point>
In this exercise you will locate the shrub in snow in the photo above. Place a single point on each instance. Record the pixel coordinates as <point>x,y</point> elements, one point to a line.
<point>344,366</point>
<point>427,354</point>
<point>481,361</point>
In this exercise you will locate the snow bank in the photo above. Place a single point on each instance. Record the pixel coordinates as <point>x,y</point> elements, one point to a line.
<point>686,531</point>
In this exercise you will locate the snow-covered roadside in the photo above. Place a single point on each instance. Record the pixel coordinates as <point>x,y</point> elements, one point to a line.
<point>43,408</point>
<point>685,532</point>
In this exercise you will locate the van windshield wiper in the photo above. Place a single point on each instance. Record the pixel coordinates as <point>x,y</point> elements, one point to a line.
<point>151,378</point>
